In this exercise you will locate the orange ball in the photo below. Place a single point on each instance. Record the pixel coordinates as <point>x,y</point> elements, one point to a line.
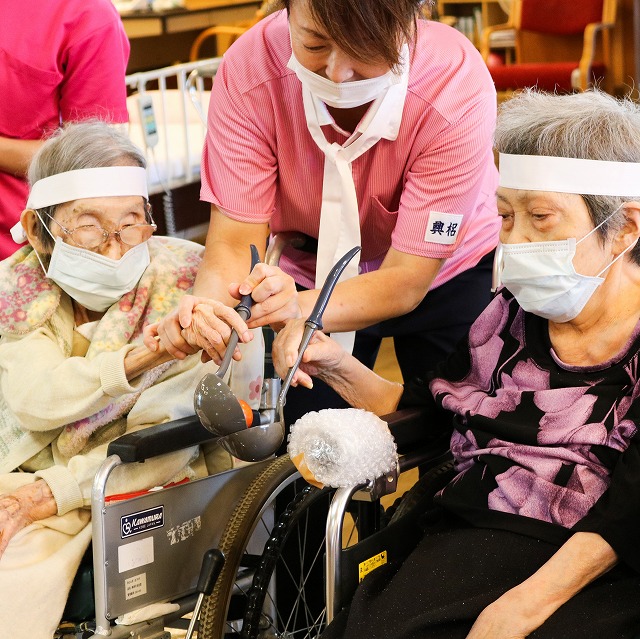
<point>248,413</point>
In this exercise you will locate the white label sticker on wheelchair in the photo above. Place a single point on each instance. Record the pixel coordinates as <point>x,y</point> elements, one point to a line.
<point>139,522</point>
<point>135,586</point>
<point>136,554</point>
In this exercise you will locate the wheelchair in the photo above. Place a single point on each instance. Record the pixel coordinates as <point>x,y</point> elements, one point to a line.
<point>276,574</point>
<point>281,576</point>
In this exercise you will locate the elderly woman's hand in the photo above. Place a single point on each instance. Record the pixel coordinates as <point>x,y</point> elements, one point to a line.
<point>168,331</point>
<point>204,323</point>
<point>511,616</point>
<point>22,507</point>
<point>274,294</point>
<point>210,329</point>
<point>320,358</point>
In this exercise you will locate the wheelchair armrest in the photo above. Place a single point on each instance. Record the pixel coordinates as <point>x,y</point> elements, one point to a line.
<point>160,439</point>
<point>408,428</point>
<point>415,445</point>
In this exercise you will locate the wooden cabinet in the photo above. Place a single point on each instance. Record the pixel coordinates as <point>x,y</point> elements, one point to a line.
<point>471,16</point>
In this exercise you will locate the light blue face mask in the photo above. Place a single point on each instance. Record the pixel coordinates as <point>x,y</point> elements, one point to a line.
<point>93,280</point>
<point>542,278</point>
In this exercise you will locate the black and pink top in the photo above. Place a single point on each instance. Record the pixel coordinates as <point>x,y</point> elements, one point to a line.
<point>541,447</point>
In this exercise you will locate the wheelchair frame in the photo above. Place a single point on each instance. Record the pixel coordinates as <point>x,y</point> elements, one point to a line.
<point>242,497</point>
<point>236,501</point>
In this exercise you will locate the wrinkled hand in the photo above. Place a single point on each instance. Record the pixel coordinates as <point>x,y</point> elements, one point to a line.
<point>22,507</point>
<point>204,323</point>
<point>505,618</point>
<point>321,356</point>
<point>210,329</point>
<point>274,294</point>
<point>168,331</point>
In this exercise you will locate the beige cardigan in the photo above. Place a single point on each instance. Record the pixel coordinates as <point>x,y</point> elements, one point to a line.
<point>42,390</point>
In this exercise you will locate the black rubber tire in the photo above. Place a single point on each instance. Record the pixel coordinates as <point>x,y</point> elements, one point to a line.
<point>420,496</point>
<point>296,514</point>
<point>233,542</point>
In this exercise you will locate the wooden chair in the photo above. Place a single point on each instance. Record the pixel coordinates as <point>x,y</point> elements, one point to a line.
<point>556,46</point>
<point>226,35</point>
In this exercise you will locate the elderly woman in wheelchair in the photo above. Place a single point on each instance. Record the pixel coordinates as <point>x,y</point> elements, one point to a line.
<point>74,373</point>
<point>537,533</point>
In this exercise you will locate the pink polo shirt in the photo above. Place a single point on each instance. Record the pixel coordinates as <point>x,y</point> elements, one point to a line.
<point>60,60</point>
<point>261,164</point>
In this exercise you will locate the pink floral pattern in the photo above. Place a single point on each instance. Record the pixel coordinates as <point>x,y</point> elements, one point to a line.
<point>28,300</point>
<point>255,388</point>
<point>539,436</point>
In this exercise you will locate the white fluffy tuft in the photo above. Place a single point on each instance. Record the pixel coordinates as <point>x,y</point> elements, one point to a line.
<point>343,447</point>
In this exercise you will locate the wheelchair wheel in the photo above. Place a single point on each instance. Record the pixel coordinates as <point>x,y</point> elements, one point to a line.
<point>420,496</point>
<point>242,543</point>
<point>287,597</point>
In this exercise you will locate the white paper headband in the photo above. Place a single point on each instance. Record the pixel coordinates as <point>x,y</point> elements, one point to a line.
<point>85,183</point>
<point>569,175</point>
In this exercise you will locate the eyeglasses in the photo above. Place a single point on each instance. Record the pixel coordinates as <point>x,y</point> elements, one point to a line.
<point>92,236</point>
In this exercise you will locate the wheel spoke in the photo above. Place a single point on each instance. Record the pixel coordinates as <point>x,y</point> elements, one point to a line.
<point>286,600</point>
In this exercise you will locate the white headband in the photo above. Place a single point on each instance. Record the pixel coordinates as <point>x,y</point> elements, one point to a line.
<point>85,183</point>
<point>569,175</point>
<point>81,184</point>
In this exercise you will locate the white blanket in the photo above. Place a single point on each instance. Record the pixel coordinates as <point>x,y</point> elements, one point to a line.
<point>175,159</point>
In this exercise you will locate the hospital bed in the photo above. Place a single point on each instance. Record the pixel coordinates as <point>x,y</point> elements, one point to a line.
<point>167,120</point>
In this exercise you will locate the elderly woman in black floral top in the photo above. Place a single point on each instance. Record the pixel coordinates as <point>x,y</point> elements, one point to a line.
<point>537,535</point>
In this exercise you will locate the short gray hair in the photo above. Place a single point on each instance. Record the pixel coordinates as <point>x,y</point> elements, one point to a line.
<point>591,126</point>
<point>82,145</point>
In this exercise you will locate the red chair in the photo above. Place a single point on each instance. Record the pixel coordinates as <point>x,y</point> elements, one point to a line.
<point>556,45</point>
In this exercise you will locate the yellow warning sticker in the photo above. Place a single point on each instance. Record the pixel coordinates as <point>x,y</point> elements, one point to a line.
<point>369,565</point>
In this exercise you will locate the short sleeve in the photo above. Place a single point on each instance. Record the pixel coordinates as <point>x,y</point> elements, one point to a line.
<point>94,72</point>
<point>239,167</point>
<point>454,178</point>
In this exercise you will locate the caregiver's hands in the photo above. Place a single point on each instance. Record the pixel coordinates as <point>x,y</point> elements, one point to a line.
<point>22,507</point>
<point>202,323</point>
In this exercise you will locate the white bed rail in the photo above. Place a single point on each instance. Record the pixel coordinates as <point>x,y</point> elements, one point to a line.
<point>172,131</point>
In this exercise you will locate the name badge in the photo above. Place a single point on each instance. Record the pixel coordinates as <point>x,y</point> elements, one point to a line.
<point>442,228</point>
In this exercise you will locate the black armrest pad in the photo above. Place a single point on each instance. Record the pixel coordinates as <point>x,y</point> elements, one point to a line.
<point>408,428</point>
<point>160,439</point>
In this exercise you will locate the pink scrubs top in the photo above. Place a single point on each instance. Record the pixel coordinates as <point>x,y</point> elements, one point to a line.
<point>260,163</point>
<point>60,60</point>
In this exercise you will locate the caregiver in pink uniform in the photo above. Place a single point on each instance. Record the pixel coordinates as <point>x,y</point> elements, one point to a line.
<point>356,123</point>
<point>60,61</point>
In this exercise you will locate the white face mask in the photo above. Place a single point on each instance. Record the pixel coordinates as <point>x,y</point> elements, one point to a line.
<point>93,280</point>
<point>542,278</point>
<point>343,95</point>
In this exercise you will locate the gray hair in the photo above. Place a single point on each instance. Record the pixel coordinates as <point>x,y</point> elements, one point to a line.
<point>82,145</point>
<point>591,126</point>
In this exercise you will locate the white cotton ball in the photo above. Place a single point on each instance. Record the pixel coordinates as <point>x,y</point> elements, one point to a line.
<point>343,447</point>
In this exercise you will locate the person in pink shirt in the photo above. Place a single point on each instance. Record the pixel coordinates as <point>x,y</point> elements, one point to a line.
<point>357,124</point>
<point>60,61</point>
